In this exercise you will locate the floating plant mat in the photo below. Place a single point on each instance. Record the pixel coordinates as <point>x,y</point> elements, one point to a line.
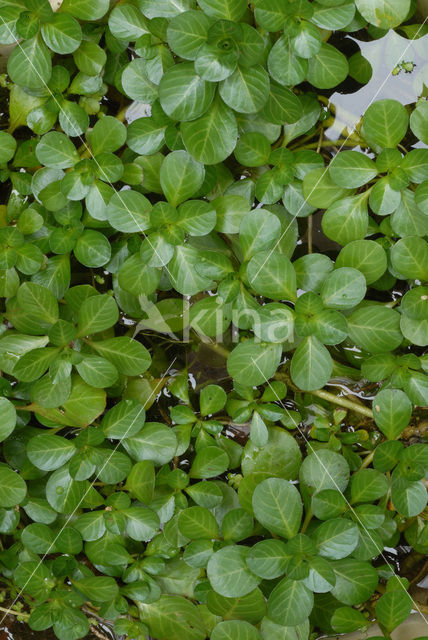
<point>214,290</point>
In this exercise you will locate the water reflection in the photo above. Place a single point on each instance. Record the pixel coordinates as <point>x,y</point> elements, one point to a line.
<point>392,77</point>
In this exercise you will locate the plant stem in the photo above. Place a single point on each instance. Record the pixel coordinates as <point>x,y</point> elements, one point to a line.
<point>342,402</point>
<point>310,229</point>
<point>333,143</point>
<point>306,521</point>
<point>367,460</point>
<point>13,612</point>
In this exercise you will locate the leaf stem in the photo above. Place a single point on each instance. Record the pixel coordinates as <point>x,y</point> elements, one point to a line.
<point>306,521</point>
<point>13,612</point>
<point>342,402</point>
<point>367,460</point>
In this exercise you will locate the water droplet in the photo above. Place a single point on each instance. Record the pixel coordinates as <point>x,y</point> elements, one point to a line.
<point>60,490</point>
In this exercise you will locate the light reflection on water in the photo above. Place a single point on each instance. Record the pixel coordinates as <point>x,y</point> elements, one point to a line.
<point>383,55</point>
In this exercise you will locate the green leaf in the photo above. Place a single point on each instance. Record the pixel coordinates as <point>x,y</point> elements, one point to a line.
<point>311,365</point>
<point>38,538</point>
<point>97,589</point>
<point>251,607</point>
<point>33,576</point>
<point>343,288</point>
<point>8,147</point>
<point>307,40</point>
<point>284,65</point>
<point>56,150</point>
<point>320,191</point>
<point>252,363</point>
<point>39,303</point>
<point>253,149</point>
<point>375,329</point>
<point>63,493</point>
<point>209,462</point>
<point>128,356</point>
<point>409,256</point>
<point>346,619</point>
<point>347,219</point>
<point>155,442</point>
<point>141,523</point>
<point>409,498</point>
<point>97,372</point>
<point>271,274</point>
<point>125,419</point>
<point>205,494</point>
<point>278,507</point>
<point>383,198</point>
<point>211,138</point>
<point>224,9</point>
<point>384,14</point>
<point>259,230</point>
<point>235,630</point>
<point>355,581</point>
<point>7,418</point>
<point>33,76</point>
<point>351,169</point>
<point>12,487</point>
<point>368,485</point>
<point>325,469</point>
<point>62,33</point>
<point>280,457</point>
<point>228,573</point>
<point>365,255</point>
<point>212,399</point>
<point>328,68</point>
<point>237,525</point>
<point>172,618</point>
<point>107,135</point>
<point>184,276</point>
<point>49,452</point>
<point>197,523</point>
<point>230,210</point>
<point>385,123</point>
<point>82,11</point>
<point>273,631</point>
<point>126,22</point>
<point>129,211</point>
<point>180,176</point>
<point>197,217</point>
<point>246,90</point>
<point>213,64</point>
<point>419,121</point>
<point>268,559</point>
<point>328,503</point>
<point>183,95</point>
<point>187,32</point>
<point>336,538</point>
<point>83,406</point>
<point>392,608</point>
<point>141,481</point>
<point>96,314</point>
<point>290,603</point>
<point>136,83</point>
<point>335,17</point>
<point>33,364</point>
<point>392,411</point>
